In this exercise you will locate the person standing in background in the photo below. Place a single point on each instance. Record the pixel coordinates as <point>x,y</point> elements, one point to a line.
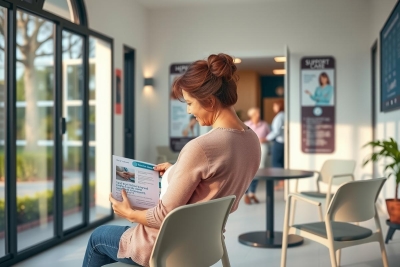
<point>261,128</point>
<point>277,137</point>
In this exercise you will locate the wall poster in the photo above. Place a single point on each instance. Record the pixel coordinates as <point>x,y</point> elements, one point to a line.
<point>317,91</point>
<point>390,62</point>
<point>183,127</point>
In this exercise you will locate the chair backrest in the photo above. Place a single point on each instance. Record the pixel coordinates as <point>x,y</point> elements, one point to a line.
<point>337,167</point>
<point>191,235</point>
<point>355,201</point>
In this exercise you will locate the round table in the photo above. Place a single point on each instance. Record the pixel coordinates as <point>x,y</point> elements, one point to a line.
<point>270,238</point>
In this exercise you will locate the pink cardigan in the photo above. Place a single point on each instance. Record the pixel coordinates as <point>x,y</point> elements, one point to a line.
<point>220,163</point>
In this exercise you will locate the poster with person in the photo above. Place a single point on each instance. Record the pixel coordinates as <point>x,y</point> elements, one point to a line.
<point>183,126</point>
<point>317,91</point>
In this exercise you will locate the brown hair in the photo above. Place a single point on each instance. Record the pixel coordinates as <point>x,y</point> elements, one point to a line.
<point>280,104</point>
<point>214,77</point>
<point>323,74</point>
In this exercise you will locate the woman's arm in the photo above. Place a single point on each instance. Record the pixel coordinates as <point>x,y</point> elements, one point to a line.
<point>191,167</point>
<point>324,96</point>
<point>315,96</point>
<point>123,209</point>
<point>328,95</point>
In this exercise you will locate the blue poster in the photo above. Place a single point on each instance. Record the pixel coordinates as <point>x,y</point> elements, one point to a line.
<point>390,62</point>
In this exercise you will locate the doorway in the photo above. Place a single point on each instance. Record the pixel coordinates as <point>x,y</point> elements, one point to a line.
<point>129,102</point>
<point>261,84</point>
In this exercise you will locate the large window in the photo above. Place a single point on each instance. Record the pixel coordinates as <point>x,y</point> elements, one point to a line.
<point>55,126</point>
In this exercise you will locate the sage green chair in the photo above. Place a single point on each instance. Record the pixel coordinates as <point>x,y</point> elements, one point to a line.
<point>333,172</point>
<point>353,202</point>
<point>191,235</point>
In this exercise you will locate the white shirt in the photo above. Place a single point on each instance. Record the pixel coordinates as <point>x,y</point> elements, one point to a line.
<point>164,182</point>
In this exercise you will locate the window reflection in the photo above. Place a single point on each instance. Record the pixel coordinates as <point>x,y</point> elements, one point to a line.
<point>100,113</point>
<point>73,138</point>
<point>35,129</point>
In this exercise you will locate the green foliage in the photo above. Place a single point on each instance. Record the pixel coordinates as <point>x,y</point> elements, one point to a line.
<point>39,165</point>
<point>32,208</point>
<point>386,149</point>
<point>33,166</point>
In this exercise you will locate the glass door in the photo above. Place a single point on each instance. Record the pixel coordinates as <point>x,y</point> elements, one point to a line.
<point>35,129</point>
<point>72,140</point>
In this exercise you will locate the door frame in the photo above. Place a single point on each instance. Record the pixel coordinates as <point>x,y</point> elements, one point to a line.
<point>374,73</point>
<point>129,56</point>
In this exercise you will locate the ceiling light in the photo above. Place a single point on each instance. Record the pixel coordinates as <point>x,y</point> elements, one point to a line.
<point>279,72</point>
<point>237,60</point>
<point>280,59</point>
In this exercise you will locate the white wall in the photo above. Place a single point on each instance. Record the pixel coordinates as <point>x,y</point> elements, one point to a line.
<point>161,36</point>
<point>388,124</point>
<point>126,22</point>
<point>310,27</point>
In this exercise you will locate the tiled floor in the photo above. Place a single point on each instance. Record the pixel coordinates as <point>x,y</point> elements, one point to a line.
<point>246,219</point>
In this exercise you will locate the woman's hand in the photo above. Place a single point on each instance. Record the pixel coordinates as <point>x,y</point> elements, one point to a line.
<point>263,140</point>
<point>308,92</point>
<point>161,168</point>
<point>123,208</point>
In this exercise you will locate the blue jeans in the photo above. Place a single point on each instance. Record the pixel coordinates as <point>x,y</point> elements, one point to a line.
<point>103,246</point>
<point>253,186</point>
<point>277,154</point>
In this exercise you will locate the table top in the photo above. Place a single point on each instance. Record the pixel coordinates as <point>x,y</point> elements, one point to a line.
<point>281,174</point>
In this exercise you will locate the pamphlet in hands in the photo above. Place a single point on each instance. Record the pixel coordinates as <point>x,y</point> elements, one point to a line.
<point>140,181</point>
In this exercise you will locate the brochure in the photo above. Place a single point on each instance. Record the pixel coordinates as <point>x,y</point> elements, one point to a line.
<point>140,181</point>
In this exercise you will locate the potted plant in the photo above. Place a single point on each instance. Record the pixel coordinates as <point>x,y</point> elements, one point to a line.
<point>389,150</point>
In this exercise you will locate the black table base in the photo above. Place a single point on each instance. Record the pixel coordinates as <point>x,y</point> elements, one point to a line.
<point>261,240</point>
<point>270,238</point>
<point>392,228</point>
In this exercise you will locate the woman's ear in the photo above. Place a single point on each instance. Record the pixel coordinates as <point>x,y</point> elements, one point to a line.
<point>212,102</point>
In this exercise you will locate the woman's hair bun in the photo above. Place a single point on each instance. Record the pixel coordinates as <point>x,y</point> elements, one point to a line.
<point>222,66</point>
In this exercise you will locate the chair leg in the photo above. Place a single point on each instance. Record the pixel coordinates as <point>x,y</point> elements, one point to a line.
<point>338,256</point>
<point>292,211</point>
<point>332,256</point>
<point>225,257</point>
<point>321,217</point>
<point>284,245</point>
<point>383,252</point>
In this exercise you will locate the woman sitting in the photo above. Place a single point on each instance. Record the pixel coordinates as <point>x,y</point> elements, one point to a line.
<point>220,163</point>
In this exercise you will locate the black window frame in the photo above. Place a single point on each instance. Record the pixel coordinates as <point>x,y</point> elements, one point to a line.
<point>35,7</point>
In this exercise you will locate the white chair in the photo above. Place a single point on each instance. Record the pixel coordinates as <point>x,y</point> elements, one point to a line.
<point>191,235</point>
<point>165,154</point>
<point>333,172</point>
<point>353,202</point>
